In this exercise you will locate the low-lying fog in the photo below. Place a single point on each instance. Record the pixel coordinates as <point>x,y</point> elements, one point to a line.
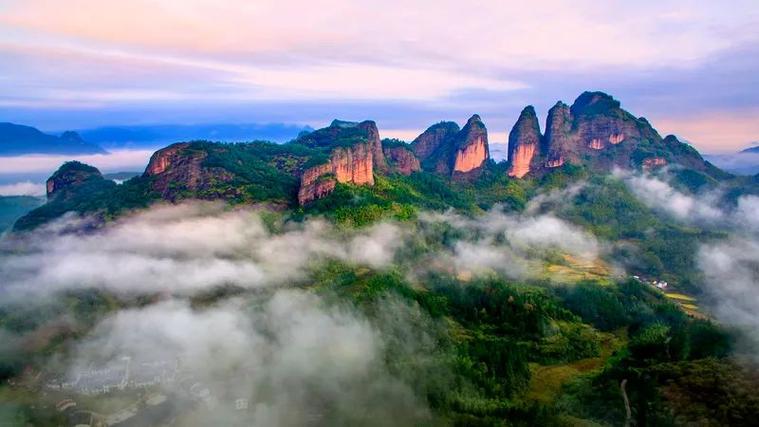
<point>291,355</point>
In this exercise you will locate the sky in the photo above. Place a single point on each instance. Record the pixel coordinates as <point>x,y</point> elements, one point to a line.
<point>690,67</point>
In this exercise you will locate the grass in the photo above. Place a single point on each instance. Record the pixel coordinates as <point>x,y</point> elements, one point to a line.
<point>680,297</point>
<point>687,303</point>
<point>574,269</point>
<point>546,381</point>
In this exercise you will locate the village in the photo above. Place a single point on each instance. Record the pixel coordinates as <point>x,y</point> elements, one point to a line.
<point>137,393</point>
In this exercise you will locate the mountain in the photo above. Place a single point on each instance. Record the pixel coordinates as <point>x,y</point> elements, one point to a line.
<point>597,133</point>
<point>149,136</point>
<point>16,140</point>
<point>744,162</point>
<point>445,149</point>
<point>526,291</point>
<point>445,166</point>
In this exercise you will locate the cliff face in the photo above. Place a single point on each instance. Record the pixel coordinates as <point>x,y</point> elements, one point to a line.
<point>524,143</point>
<point>178,168</point>
<point>596,132</point>
<point>402,160</point>
<point>69,176</point>
<point>353,165</point>
<point>355,150</point>
<point>343,133</point>
<point>433,139</point>
<point>558,141</point>
<point>373,137</point>
<point>472,149</point>
<point>445,149</point>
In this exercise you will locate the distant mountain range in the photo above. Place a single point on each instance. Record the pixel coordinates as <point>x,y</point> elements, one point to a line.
<point>151,136</point>
<point>744,162</point>
<point>16,140</point>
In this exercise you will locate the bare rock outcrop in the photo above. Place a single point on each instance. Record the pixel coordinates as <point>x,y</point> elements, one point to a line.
<point>69,176</point>
<point>435,140</point>
<point>597,133</point>
<point>447,150</point>
<point>401,159</point>
<point>524,143</point>
<point>472,146</point>
<point>352,165</point>
<point>558,141</point>
<point>177,168</point>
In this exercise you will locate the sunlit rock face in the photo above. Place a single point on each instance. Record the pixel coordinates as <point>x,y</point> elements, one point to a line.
<point>315,183</point>
<point>353,150</point>
<point>352,165</point>
<point>162,159</point>
<point>373,138</point>
<point>472,146</point>
<point>597,133</point>
<point>447,150</point>
<point>524,143</point>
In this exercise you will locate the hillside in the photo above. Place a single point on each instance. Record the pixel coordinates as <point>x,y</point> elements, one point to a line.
<point>418,281</point>
<point>16,140</point>
<point>594,135</point>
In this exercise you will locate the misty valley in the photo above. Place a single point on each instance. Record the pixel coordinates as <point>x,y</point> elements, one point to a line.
<point>602,275</point>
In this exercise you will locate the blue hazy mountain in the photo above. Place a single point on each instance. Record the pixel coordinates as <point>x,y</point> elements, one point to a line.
<point>744,162</point>
<point>114,137</point>
<point>16,140</point>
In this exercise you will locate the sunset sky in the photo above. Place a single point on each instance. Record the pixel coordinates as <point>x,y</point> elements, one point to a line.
<point>690,67</point>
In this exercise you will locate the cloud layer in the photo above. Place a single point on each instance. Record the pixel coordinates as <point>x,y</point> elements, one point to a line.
<point>291,358</point>
<point>187,248</point>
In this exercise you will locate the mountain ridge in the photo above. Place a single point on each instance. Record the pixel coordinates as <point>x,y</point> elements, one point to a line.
<point>17,140</point>
<point>595,134</point>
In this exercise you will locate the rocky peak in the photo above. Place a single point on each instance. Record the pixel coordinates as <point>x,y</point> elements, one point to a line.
<point>162,159</point>
<point>342,133</point>
<point>471,146</point>
<point>593,103</point>
<point>373,136</point>
<point>437,135</point>
<point>71,175</point>
<point>355,149</point>
<point>558,140</point>
<point>597,133</point>
<point>179,167</point>
<point>524,142</point>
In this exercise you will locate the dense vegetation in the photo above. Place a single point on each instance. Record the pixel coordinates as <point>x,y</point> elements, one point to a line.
<point>479,347</point>
<point>493,351</point>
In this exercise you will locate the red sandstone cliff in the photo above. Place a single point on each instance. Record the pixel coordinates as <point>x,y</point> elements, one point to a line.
<point>346,165</point>
<point>472,149</point>
<point>524,142</point>
<point>401,160</point>
<point>177,168</point>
